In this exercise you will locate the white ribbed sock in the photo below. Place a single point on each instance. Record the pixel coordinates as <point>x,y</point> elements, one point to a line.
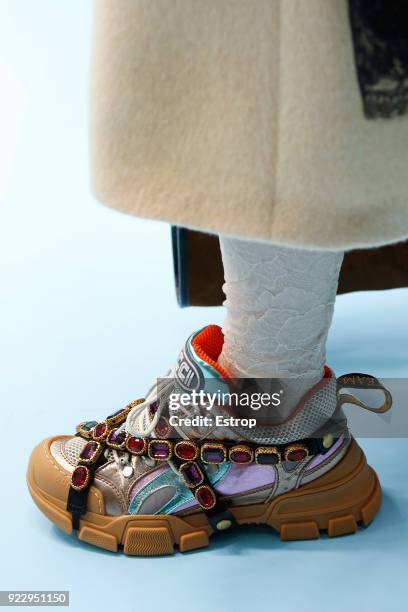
<point>279,304</point>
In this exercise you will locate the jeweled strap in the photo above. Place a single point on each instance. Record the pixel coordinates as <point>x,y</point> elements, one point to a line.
<point>219,451</point>
<point>89,460</point>
<point>194,476</point>
<point>189,456</point>
<point>91,457</point>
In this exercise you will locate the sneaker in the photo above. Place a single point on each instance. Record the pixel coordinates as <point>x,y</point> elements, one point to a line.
<point>152,479</point>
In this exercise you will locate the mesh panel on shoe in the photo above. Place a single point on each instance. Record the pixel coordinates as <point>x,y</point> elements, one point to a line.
<point>71,449</point>
<point>314,414</point>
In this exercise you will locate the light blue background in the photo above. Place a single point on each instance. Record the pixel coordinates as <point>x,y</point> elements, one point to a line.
<point>89,318</point>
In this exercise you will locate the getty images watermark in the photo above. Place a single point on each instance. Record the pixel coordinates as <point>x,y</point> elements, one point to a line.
<point>208,401</point>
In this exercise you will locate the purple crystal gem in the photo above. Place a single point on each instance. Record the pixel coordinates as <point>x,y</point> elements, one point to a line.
<point>191,473</point>
<point>89,450</point>
<point>118,436</point>
<point>267,458</point>
<point>213,455</point>
<point>159,450</point>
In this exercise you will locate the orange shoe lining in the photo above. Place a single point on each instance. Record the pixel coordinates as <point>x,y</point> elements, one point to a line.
<point>208,345</point>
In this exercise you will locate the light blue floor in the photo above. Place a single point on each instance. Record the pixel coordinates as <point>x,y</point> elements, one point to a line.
<point>89,318</point>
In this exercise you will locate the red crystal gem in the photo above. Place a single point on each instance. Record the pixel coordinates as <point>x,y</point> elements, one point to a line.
<point>80,476</point>
<point>89,451</point>
<point>240,455</point>
<point>135,445</point>
<point>205,497</point>
<point>162,427</point>
<point>296,454</point>
<point>186,450</point>
<point>100,430</point>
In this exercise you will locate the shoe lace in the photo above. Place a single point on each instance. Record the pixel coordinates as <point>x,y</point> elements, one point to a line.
<point>141,422</point>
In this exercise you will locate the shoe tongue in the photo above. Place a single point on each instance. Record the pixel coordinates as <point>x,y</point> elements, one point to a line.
<point>197,367</point>
<point>196,370</point>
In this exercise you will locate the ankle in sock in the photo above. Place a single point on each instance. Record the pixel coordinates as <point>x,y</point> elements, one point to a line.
<point>279,306</point>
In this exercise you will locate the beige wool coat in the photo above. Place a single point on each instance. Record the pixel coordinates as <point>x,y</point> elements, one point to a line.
<point>243,117</point>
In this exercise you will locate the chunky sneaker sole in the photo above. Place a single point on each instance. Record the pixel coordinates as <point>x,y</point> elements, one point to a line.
<point>337,503</point>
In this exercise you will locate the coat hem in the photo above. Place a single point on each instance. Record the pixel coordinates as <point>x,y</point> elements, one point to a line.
<point>277,235</point>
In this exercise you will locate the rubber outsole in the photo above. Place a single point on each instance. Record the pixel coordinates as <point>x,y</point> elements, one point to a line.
<point>337,503</point>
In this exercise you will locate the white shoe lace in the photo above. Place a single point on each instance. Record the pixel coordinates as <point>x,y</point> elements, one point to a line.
<point>141,422</point>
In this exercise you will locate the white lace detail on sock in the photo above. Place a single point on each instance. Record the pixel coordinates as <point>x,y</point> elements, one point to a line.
<point>279,304</point>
